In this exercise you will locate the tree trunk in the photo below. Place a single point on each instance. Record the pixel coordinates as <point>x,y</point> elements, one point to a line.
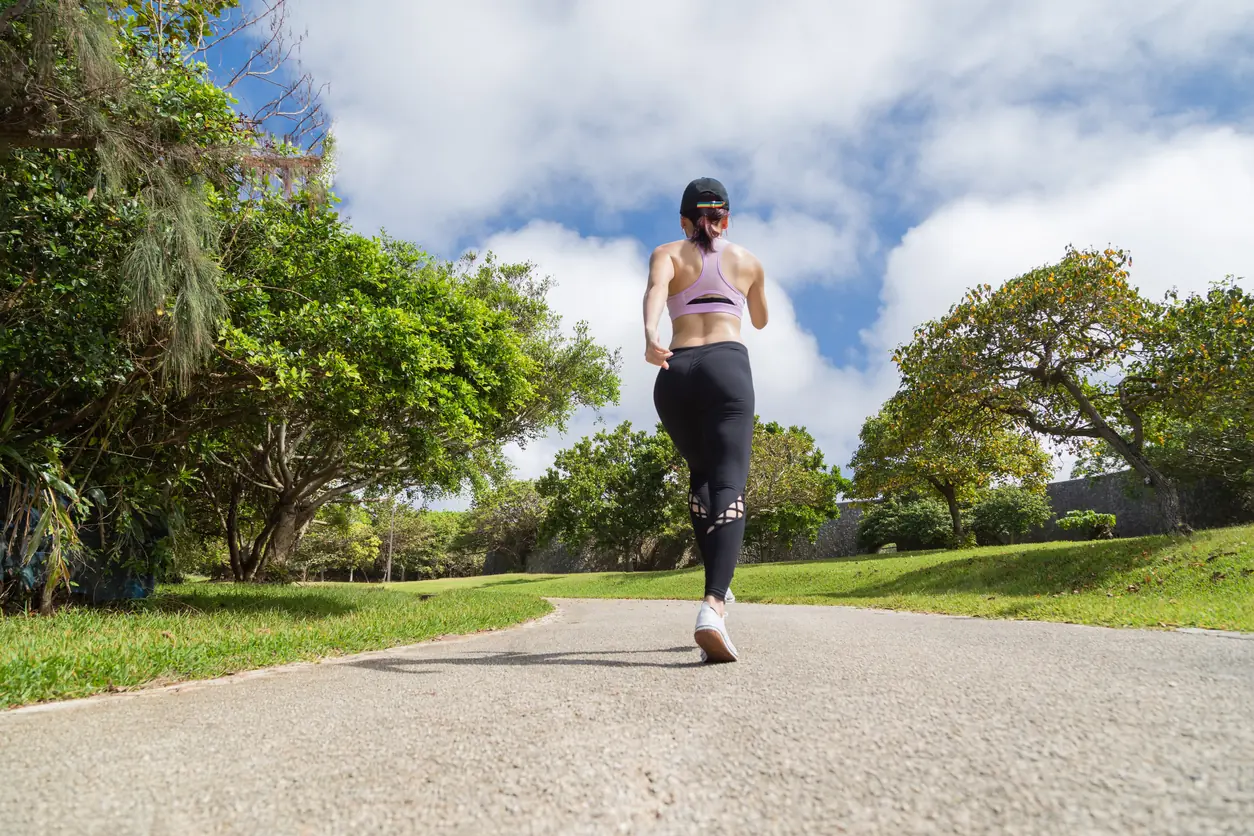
<point>232,531</point>
<point>955,513</point>
<point>293,523</point>
<point>391,541</point>
<point>1164,488</point>
<point>285,525</point>
<point>350,574</point>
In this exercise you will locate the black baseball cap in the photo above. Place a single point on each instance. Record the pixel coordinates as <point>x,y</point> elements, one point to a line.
<point>702,193</point>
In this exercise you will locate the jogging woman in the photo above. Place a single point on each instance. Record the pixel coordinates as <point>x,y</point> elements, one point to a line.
<point>704,390</point>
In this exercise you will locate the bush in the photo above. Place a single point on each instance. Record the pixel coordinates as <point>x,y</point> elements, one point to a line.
<point>912,524</point>
<point>1095,526</point>
<point>1003,515</point>
<point>966,541</point>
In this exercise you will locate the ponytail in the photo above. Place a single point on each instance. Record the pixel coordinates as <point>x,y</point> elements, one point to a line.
<point>708,219</point>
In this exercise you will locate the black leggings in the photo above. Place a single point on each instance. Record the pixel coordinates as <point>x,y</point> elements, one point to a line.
<point>705,401</point>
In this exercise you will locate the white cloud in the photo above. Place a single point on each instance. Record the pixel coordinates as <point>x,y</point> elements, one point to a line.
<point>798,248</point>
<point>1007,128</point>
<point>1183,208</point>
<point>450,113</point>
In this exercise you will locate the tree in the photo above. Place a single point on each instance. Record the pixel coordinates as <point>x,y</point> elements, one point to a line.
<point>1004,514</point>
<point>625,493</point>
<point>1202,428</point>
<point>506,518</point>
<point>119,84</point>
<point>341,537</point>
<point>955,453</point>
<point>790,491</point>
<point>427,545</point>
<point>1047,349</point>
<point>1201,357</point>
<point>620,491</point>
<point>352,363</point>
<point>117,155</point>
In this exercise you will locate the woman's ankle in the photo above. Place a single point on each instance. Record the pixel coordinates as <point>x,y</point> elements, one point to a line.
<point>716,603</point>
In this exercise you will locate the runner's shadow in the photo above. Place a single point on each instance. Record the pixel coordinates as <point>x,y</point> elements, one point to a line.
<point>510,658</point>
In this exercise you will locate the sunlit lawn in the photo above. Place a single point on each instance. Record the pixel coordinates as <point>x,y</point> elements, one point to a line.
<point>201,630</point>
<point>1203,581</point>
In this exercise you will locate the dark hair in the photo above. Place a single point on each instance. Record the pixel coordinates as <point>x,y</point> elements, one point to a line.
<point>703,226</point>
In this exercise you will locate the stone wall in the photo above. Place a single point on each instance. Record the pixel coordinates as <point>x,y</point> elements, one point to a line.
<point>1205,505</point>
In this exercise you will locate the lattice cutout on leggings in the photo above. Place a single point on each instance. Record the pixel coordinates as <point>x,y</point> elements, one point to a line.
<point>696,507</point>
<point>733,512</point>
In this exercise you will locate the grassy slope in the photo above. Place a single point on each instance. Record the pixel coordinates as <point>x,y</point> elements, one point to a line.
<point>203,630</point>
<point>1204,581</point>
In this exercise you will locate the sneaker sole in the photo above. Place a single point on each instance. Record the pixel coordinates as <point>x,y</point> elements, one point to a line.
<point>716,650</point>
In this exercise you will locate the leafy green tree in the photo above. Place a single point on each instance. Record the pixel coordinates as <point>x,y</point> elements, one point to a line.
<point>120,83</point>
<point>117,153</point>
<point>87,372</point>
<point>1047,349</point>
<point>620,491</point>
<point>352,363</point>
<point>624,493</point>
<point>1004,514</point>
<point>342,537</point>
<point>911,522</point>
<point>908,445</point>
<point>506,519</point>
<point>1202,361</point>
<point>428,545</point>
<point>790,491</point>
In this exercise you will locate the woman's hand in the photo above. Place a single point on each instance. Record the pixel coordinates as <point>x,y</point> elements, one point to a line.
<point>655,352</point>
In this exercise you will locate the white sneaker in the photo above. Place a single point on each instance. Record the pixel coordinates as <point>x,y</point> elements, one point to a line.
<point>711,636</point>
<point>730,599</point>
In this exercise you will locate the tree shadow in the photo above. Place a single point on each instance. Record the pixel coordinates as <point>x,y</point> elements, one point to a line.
<point>517,581</point>
<point>1034,571</point>
<point>301,604</point>
<point>514,659</point>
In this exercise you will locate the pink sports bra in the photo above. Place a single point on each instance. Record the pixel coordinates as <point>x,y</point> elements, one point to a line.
<point>710,293</point>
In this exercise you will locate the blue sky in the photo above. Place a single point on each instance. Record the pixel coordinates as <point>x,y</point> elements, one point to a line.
<point>881,157</point>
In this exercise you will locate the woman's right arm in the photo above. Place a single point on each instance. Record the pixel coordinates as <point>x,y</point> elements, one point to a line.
<point>661,271</point>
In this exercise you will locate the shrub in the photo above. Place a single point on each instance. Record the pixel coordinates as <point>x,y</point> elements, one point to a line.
<point>966,541</point>
<point>910,523</point>
<point>1002,515</point>
<point>1095,526</point>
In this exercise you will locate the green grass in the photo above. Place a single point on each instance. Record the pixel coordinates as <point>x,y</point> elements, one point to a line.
<point>1206,580</point>
<point>202,630</point>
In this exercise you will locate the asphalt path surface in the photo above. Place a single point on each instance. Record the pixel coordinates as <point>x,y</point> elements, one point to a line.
<point>600,719</point>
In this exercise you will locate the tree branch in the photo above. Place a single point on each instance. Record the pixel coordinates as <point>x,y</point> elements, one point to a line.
<point>1037,425</point>
<point>1134,419</point>
<point>9,15</point>
<point>28,140</point>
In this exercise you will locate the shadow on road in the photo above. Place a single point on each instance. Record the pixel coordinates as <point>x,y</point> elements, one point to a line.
<point>510,658</point>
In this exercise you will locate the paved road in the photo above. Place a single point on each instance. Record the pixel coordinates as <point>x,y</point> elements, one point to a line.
<point>600,720</point>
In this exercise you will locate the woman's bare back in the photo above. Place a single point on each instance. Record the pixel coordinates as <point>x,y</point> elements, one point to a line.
<point>739,267</point>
